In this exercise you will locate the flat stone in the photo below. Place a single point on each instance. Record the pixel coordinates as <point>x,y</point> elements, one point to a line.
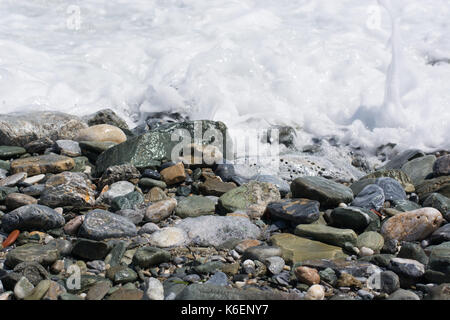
<point>407,267</point>
<point>90,250</point>
<point>215,292</point>
<point>357,219</point>
<point>23,288</point>
<point>327,192</point>
<point>195,206</point>
<point>215,187</point>
<point>16,200</point>
<point>216,230</point>
<point>441,235</point>
<point>39,291</point>
<point>123,172</point>
<point>414,251</point>
<point>296,249</point>
<point>395,174</point>
<point>98,291</point>
<point>43,254</point>
<point>370,239</point>
<point>135,216</point>
<point>20,128</point>
<point>420,168</point>
<point>248,195</point>
<point>438,201</point>
<point>334,236</point>
<point>102,132</point>
<point>100,224</point>
<point>121,274</point>
<point>34,179</point>
<point>68,148</point>
<point>160,210</point>
<point>400,159</point>
<point>148,183</point>
<point>371,197</point>
<point>117,189</point>
<point>32,217</point>
<point>47,163</point>
<point>106,116</point>
<point>126,294</point>
<point>402,294</point>
<point>437,185</point>
<point>12,180</point>
<point>298,211</point>
<point>442,166</point>
<point>146,257</point>
<point>283,187</point>
<point>129,201</point>
<point>261,253</point>
<point>413,225</point>
<point>68,189</point>
<point>9,152</point>
<point>392,189</point>
<point>168,237</point>
<point>154,289</point>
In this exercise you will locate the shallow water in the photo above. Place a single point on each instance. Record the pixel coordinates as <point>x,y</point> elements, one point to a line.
<point>325,67</point>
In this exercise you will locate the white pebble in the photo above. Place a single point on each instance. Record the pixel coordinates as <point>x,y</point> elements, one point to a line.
<point>155,290</point>
<point>365,252</point>
<point>315,292</point>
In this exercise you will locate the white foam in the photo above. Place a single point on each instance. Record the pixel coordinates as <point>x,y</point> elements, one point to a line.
<point>318,65</point>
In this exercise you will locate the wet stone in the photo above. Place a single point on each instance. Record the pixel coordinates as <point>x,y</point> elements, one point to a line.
<point>32,217</point>
<point>371,197</point>
<point>298,211</point>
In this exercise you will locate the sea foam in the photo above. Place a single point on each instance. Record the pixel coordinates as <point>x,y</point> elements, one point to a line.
<point>368,72</point>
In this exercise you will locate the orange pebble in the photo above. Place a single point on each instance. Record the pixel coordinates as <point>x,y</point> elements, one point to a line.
<point>11,238</point>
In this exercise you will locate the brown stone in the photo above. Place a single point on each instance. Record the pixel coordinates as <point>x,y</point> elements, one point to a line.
<point>413,225</point>
<point>160,210</point>
<point>126,294</point>
<point>54,291</point>
<point>48,163</point>
<point>98,291</point>
<point>174,174</point>
<point>102,132</point>
<point>71,227</point>
<point>16,200</point>
<point>215,187</point>
<point>155,194</point>
<point>245,244</point>
<point>307,275</point>
<point>347,280</point>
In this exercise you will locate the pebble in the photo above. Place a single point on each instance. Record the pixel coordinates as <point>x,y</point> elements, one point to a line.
<point>154,289</point>
<point>102,132</point>
<point>275,264</point>
<point>315,292</point>
<point>307,275</point>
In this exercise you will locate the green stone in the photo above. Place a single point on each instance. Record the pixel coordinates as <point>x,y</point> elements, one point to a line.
<point>209,267</point>
<point>148,183</point>
<point>39,291</point>
<point>155,147</point>
<point>405,205</point>
<point>438,201</point>
<point>43,254</point>
<point>355,218</point>
<point>4,191</point>
<point>296,249</point>
<point>326,234</point>
<point>248,194</point>
<point>370,239</point>
<point>121,274</point>
<point>195,206</point>
<point>149,256</point>
<point>419,169</point>
<point>128,201</point>
<point>80,164</point>
<point>5,165</point>
<point>8,152</point>
<point>116,254</point>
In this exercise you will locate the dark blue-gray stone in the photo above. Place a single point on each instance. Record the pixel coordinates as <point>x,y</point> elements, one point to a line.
<point>100,224</point>
<point>438,201</point>
<point>393,190</point>
<point>219,279</point>
<point>354,218</point>
<point>31,218</point>
<point>298,211</point>
<point>441,235</point>
<point>371,197</point>
<point>225,171</point>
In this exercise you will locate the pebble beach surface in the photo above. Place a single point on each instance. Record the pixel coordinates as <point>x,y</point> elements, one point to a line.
<point>93,210</point>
